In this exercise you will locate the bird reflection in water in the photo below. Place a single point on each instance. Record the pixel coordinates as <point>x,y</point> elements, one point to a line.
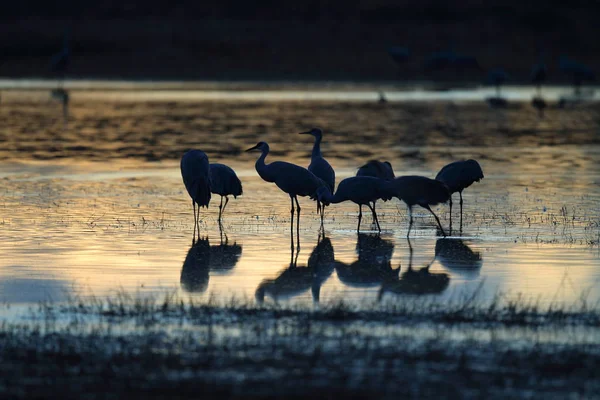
<point>203,258</point>
<point>416,282</point>
<point>373,265</point>
<point>295,279</point>
<point>457,257</point>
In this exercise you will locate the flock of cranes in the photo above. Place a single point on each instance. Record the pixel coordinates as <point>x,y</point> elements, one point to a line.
<point>374,181</point>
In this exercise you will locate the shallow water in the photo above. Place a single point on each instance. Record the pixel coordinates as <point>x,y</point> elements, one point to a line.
<point>96,205</point>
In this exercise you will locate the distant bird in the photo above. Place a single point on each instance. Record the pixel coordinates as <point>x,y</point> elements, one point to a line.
<point>362,190</point>
<point>456,256</point>
<point>578,72</point>
<point>458,176</point>
<point>60,61</point>
<point>497,77</point>
<point>419,190</point>
<point>195,172</point>
<point>377,169</point>
<point>320,167</point>
<point>290,178</point>
<point>224,182</point>
<point>539,74</point>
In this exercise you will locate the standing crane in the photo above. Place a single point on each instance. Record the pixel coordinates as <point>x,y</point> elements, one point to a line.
<point>378,169</point>
<point>320,167</point>
<point>224,182</point>
<point>419,190</point>
<point>195,171</point>
<point>361,190</point>
<point>458,176</point>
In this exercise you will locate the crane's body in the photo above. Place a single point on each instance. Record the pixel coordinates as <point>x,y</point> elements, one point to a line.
<point>419,190</point>
<point>195,171</point>
<point>224,182</point>
<point>458,176</point>
<point>377,169</point>
<point>320,167</point>
<point>361,190</point>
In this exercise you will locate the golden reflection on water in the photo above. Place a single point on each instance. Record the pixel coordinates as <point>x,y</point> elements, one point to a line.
<point>77,227</point>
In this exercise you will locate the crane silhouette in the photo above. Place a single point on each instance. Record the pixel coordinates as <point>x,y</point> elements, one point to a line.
<point>577,71</point>
<point>539,74</point>
<point>361,190</point>
<point>320,167</point>
<point>458,176</point>
<point>377,169</point>
<point>60,61</point>
<point>419,190</point>
<point>195,171</point>
<point>497,77</point>
<point>290,178</point>
<point>224,182</point>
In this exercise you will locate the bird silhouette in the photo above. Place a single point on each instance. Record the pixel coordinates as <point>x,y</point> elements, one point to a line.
<point>497,77</point>
<point>361,190</point>
<point>419,190</point>
<point>458,176</point>
<point>377,169</point>
<point>320,167</point>
<point>456,256</point>
<point>194,273</point>
<point>539,74</point>
<point>373,265</point>
<point>290,178</point>
<point>577,71</point>
<point>415,282</point>
<point>195,172</point>
<point>224,182</point>
<point>60,62</point>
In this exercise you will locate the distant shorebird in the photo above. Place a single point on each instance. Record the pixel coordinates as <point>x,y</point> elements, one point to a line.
<point>497,77</point>
<point>419,190</point>
<point>195,172</point>
<point>320,167</point>
<point>578,72</point>
<point>61,61</point>
<point>361,190</point>
<point>224,182</point>
<point>539,74</point>
<point>458,176</point>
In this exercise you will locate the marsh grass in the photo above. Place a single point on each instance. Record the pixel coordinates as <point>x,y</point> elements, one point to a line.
<point>169,346</point>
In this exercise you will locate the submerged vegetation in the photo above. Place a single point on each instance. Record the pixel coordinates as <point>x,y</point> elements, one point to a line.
<point>177,348</point>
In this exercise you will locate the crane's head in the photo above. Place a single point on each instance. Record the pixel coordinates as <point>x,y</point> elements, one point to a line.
<point>261,146</point>
<point>316,132</point>
<point>323,194</point>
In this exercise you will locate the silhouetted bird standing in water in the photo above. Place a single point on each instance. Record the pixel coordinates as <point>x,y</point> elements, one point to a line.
<point>458,176</point>
<point>539,74</point>
<point>361,190</point>
<point>195,171</point>
<point>290,178</point>
<point>497,77</point>
<point>377,169</point>
<point>419,190</point>
<point>578,72</point>
<point>60,62</point>
<point>320,167</point>
<point>224,182</point>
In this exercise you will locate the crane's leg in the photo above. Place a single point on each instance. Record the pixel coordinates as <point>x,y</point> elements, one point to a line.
<point>292,223</point>
<point>461,204</point>
<point>194,234</point>
<point>374,216</point>
<point>220,209</point>
<point>436,219</point>
<point>198,221</point>
<point>226,201</point>
<point>359,217</point>
<point>297,223</point>
<point>410,221</point>
<point>450,203</point>
<point>322,214</point>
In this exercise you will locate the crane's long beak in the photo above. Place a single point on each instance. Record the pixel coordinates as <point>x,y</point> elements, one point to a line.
<point>252,148</point>
<point>305,133</point>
